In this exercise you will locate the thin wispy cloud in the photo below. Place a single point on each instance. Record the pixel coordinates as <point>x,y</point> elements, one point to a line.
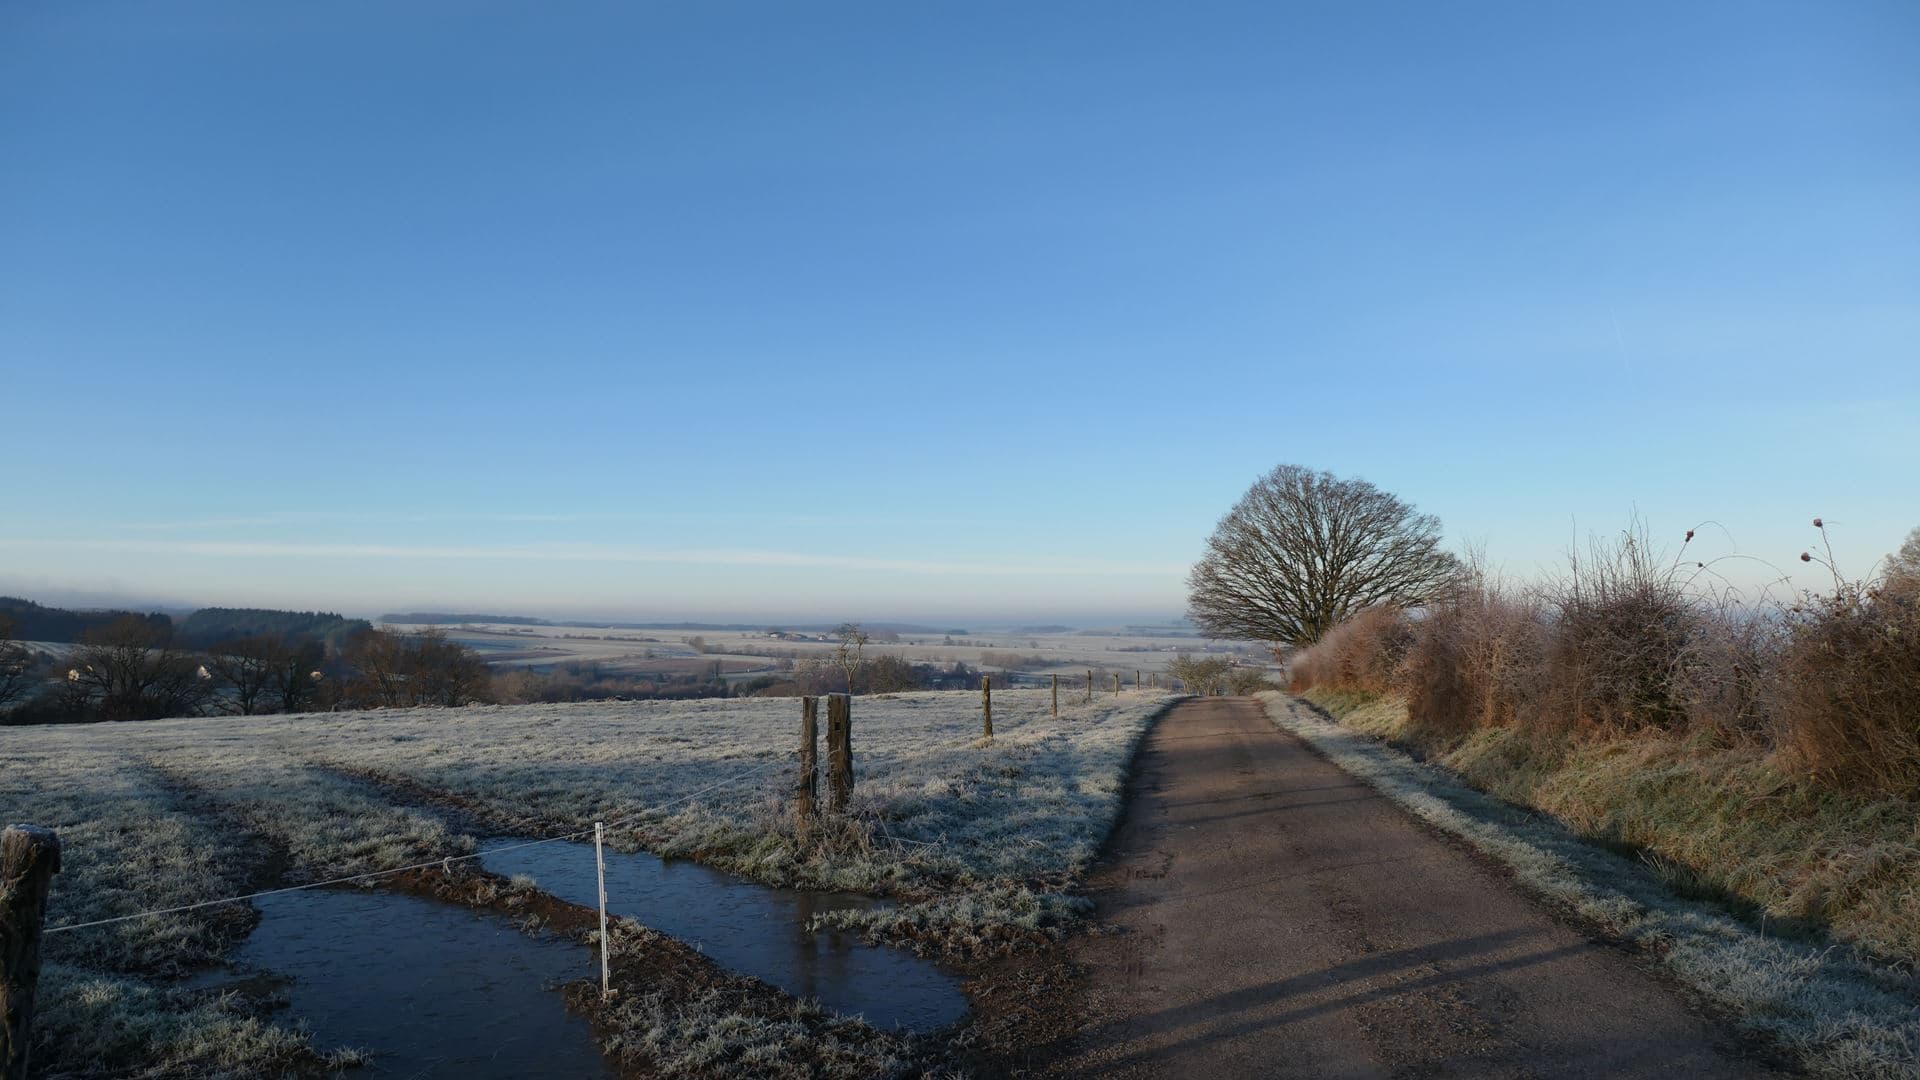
<point>301,518</point>
<point>596,553</point>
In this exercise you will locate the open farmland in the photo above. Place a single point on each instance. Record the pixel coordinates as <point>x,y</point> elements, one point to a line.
<point>744,653</point>
<point>977,844</point>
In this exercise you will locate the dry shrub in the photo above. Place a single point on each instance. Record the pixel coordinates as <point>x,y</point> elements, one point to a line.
<point>1728,674</point>
<point>1476,659</point>
<point>1362,654</point>
<point>1622,625</point>
<point>1849,694</point>
<point>1247,681</point>
<point>1627,643</point>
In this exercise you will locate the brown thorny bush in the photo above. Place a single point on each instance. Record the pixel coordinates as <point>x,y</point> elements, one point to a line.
<point>1361,654</point>
<point>1622,644</point>
<point>1847,706</point>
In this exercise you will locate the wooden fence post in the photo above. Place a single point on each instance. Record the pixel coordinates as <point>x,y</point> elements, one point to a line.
<point>839,750</point>
<point>29,857</point>
<point>1116,684</point>
<point>1056,697</point>
<point>808,789</point>
<point>1089,684</point>
<point>1136,679</point>
<point>986,706</point>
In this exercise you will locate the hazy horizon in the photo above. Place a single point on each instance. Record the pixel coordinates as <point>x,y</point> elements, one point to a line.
<point>134,600</point>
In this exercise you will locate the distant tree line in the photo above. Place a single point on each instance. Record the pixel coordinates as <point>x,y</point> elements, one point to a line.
<point>210,626</point>
<point>126,666</point>
<point>29,621</point>
<point>138,667</point>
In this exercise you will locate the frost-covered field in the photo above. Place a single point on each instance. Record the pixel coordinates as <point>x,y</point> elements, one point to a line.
<point>977,842</point>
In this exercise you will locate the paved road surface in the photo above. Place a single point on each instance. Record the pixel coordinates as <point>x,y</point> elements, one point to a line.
<point>1282,919</point>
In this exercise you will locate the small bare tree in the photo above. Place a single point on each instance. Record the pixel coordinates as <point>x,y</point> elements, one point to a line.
<point>131,670</point>
<point>847,654</point>
<point>427,669</point>
<point>1200,674</point>
<point>379,659</point>
<point>295,683</point>
<point>1246,681</point>
<point>249,667</point>
<point>1302,551</point>
<point>445,672</point>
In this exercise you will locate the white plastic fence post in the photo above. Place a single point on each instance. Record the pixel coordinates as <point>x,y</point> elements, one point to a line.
<point>600,866</point>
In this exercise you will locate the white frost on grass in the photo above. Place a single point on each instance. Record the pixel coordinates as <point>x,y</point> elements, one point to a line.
<point>1837,1011</point>
<point>980,841</point>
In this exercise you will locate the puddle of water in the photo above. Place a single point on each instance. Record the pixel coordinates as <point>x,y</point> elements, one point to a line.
<point>429,989</point>
<point>754,930</point>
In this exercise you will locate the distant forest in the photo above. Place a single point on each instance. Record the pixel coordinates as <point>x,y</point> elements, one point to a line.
<point>33,622</point>
<point>457,618</point>
<point>208,626</point>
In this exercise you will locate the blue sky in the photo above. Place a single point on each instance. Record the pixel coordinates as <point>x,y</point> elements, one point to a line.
<point>915,310</point>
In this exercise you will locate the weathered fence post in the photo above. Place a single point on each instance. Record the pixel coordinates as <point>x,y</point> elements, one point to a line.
<point>1056,697</point>
<point>1136,679</point>
<point>1116,684</point>
<point>808,788</point>
<point>839,750</point>
<point>986,706</point>
<point>29,857</point>
<point>1089,684</point>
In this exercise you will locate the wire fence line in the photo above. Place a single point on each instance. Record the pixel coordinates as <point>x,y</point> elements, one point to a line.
<point>445,861</point>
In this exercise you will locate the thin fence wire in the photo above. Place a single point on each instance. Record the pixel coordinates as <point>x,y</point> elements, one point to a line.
<point>448,861</point>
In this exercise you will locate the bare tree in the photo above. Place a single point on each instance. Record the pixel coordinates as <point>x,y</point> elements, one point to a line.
<point>1302,551</point>
<point>249,667</point>
<point>445,672</point>
<point>379,658</point>
<point>294,685</point>
<point>847,654</point>
<point>1246,681</point>
<point>1200,674</point>
<point>428,669</point>
<point>130,670</point>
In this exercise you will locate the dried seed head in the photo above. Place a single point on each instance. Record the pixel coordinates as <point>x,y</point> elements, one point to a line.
<point>1689,534</point>
<point>1804,557</point>
<point>1818,524</point>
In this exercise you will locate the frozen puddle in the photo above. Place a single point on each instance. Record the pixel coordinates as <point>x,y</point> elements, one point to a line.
<point>428,989</point>
<point>754,930</point>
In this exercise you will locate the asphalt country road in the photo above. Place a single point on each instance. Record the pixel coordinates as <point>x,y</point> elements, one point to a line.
<point>1278,917</point>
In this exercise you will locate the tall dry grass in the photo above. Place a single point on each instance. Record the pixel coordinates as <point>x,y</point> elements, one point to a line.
<point>1847,696</point>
